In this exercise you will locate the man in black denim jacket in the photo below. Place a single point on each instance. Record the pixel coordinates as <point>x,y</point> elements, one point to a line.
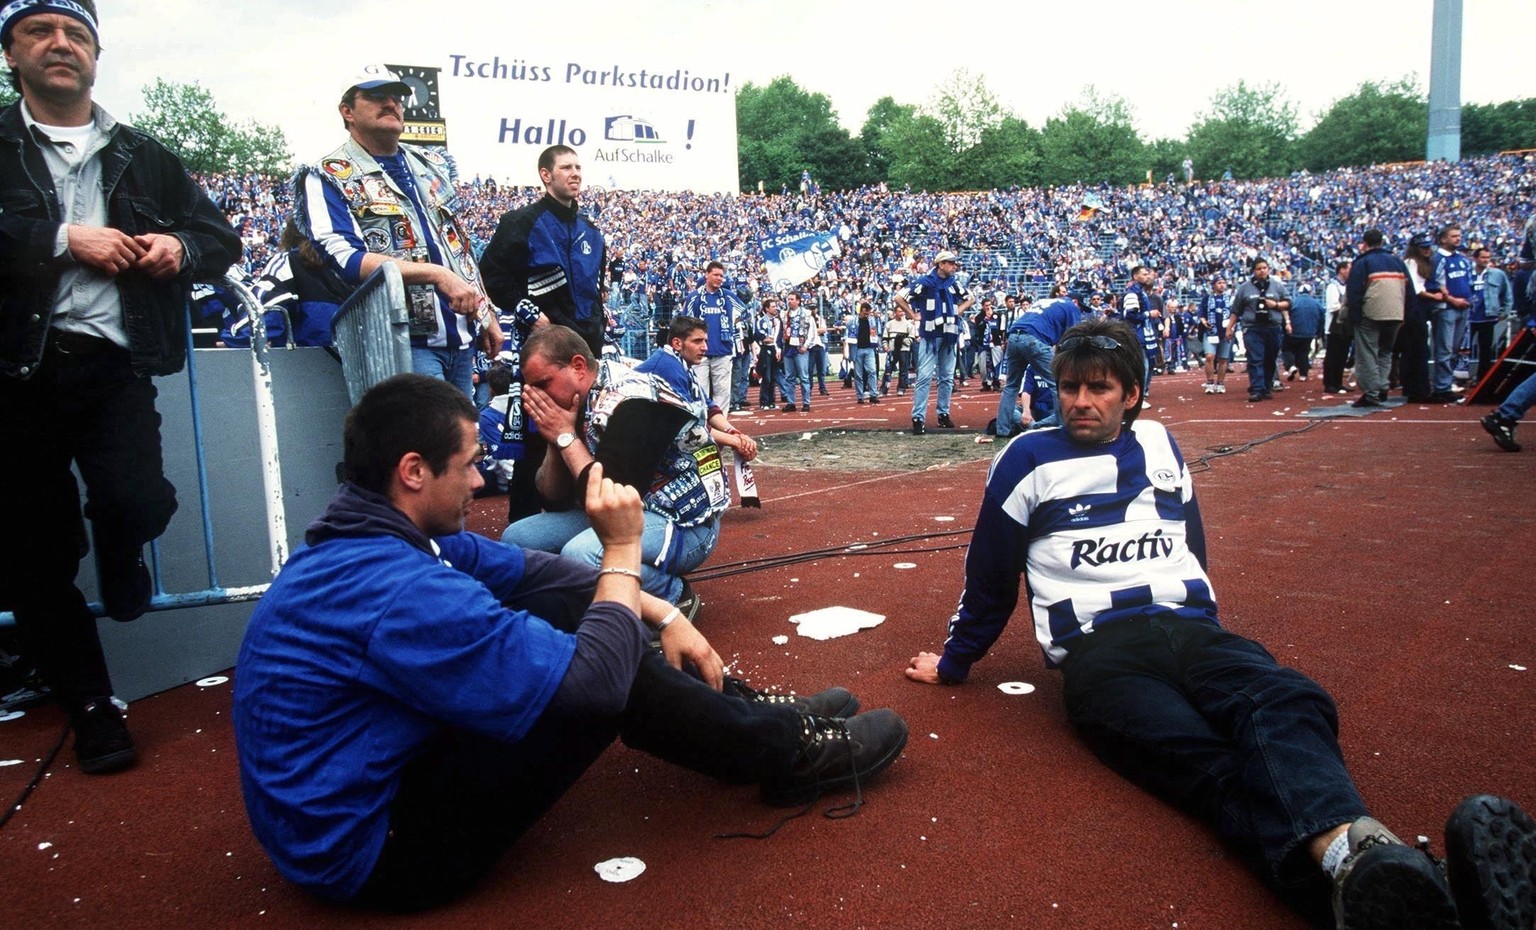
<point>101,232</point>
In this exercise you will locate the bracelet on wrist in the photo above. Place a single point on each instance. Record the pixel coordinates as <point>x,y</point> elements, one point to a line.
<point>667,620</point>
<point>627,572</point>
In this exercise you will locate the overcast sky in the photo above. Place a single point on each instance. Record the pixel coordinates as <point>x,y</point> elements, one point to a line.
<point>285,62</point>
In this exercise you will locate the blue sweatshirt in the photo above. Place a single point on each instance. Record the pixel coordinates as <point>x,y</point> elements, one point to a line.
<point>373,641</point>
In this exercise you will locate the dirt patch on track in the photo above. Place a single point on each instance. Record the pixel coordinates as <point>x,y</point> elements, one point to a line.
<point>871,450</point>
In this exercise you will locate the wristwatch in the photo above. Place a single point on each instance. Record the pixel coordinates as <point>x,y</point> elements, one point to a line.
<point>564,440</point>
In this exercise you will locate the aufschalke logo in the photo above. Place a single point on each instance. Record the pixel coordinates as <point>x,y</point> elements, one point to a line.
<point>627,128</point>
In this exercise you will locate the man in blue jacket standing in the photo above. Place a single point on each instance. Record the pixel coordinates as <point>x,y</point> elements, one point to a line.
<point>1493,304</point>
<point>1306,326</point>
<point>545,264</point>
<point>938,303</point>
<point>550,254</point>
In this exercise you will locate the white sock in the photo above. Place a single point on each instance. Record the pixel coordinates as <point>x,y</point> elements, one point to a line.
<point>1333,857</point>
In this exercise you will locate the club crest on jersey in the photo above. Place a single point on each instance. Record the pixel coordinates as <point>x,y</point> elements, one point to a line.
<point>1165,479</point>
<point>377,240</point>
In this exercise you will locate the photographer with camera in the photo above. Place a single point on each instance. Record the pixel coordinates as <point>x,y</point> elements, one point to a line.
<point>1263,306</point>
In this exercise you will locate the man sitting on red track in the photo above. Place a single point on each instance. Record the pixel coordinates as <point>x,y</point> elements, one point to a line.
<point>1100,517</point>
<point>412,698</point>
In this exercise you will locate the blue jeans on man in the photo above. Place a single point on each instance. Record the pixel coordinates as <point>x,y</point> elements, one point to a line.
<point>1025,350</point>
<point>1208,721</point>
<point>1448,330</point>
<point>452,365</point>
<point>741,380</point>
<point>818,366</point>
<point>797,365</point>
<point>933,355</point>
<point>865,379</point>
<point>1263,345</point>
<point>570,533</point>
<point>1519,400</point>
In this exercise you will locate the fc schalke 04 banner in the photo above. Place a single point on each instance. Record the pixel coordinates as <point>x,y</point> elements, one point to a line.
<point>795,257</point>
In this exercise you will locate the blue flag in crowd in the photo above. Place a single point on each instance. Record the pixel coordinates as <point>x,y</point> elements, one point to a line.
<point>796,257</point>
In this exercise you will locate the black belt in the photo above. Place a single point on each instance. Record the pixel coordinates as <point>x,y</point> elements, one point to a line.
<point>67,342</point>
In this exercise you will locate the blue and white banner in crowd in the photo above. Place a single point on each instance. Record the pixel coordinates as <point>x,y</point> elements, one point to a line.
<point>796,257</point>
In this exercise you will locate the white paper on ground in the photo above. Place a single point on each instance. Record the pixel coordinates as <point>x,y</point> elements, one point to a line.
<point>619,870</point>
<point>832,622</point>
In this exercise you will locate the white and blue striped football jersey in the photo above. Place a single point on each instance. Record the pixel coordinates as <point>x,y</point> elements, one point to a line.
<point>1100,533</point>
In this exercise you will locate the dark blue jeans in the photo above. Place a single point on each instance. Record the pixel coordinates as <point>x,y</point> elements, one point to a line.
<point>1025,350</point>
<point>1263,345</point>
<point>468,798</point>
<point>1209,722</point>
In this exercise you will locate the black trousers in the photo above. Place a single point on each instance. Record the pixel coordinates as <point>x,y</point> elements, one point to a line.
<point>1482,340</point>
<point>768,376</point>
<point>1340,338</point>
<point>93,411</point>
<point>468,798</point>
<point>1411,352</point>
<point>1298,352</point>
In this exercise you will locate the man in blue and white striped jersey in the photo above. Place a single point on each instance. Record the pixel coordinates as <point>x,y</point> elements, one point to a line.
<point>1099,517</point>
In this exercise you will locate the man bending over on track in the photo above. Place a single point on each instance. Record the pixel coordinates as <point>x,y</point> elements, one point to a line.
<point>1100,519</point>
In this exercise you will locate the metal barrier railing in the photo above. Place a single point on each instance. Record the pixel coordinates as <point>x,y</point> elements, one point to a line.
<point>372,331</point>
<point>271,471</point>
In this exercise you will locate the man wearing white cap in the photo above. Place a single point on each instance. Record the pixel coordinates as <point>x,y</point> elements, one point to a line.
<point>101,235</point>
<point>376,200</point>
<point>938,302</point>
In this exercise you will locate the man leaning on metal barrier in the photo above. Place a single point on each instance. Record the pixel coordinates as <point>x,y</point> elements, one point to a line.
<point>376,200</point>
<point>101,232</point>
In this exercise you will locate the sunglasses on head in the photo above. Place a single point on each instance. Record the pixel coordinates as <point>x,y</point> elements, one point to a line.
<point>1098,342</point>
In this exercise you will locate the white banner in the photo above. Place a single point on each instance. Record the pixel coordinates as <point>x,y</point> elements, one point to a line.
<point>637,123</point>
<point>796,257</point>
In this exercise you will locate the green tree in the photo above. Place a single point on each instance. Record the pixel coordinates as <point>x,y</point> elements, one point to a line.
<point>782,129</point>
<point>875,139</point>
<point>1092,142</point>
<point>966,108</point>
<point>918,155</point>
<point>1379,122</point>
<point>1006,155</point>
<point>8,93</point>
<point>1165,157</point>
<point>1251,130</point>
<point>962,140</point>
<point>1498,127</point>
<point>187,120</point>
